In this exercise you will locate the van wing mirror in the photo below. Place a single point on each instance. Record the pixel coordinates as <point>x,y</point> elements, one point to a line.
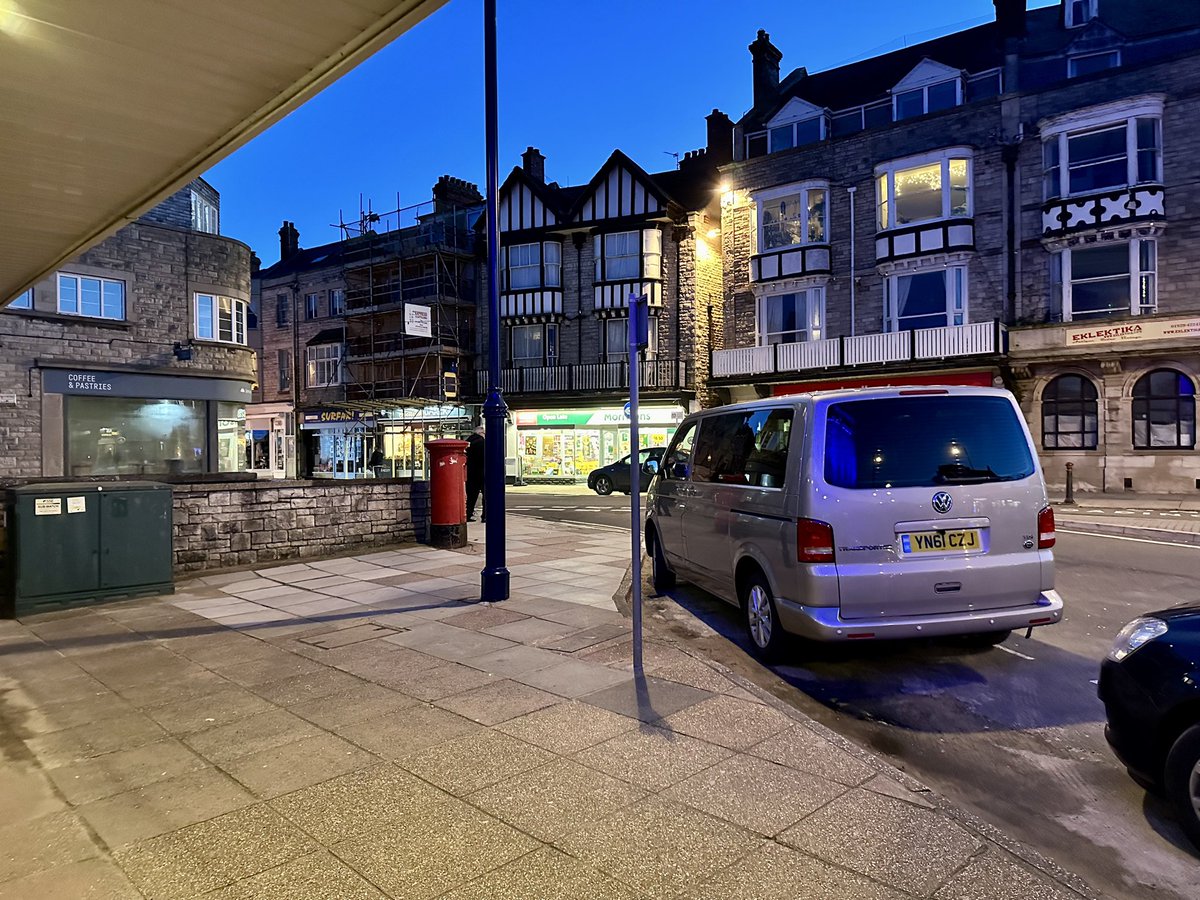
<point>650,467</point>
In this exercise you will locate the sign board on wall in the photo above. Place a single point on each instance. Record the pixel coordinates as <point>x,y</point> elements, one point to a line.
<point>154,387</point>
<point>613,415</point>
<point>418,320</point>
<point>1131,332</point>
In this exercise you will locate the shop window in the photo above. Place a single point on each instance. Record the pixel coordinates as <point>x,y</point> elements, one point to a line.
<point>96,298</point>
<point>628,255</point>
<point>1164,411</point>
<point>533,345</point>
<point>616,340</point>
<point>791,318</point>
<point>747,448</point>
<point>1109,279</point>
<point>120,436</point>
<point>1070,414</point>
<point>232,445</point>
<point>24,300</point>
<point>323,365</point>
<point>930,299</point>
<point>936,187</point>
<point>797,216</point>
<point>221,319</point>
<point>1105,151</point>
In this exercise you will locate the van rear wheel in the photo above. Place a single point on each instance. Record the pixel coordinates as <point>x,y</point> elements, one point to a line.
<point>762,621</point>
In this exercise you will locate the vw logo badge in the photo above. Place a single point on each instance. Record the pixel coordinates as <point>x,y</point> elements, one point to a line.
<point>942,502</point>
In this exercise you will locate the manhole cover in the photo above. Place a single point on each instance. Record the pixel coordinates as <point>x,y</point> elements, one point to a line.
<point>356,634</point>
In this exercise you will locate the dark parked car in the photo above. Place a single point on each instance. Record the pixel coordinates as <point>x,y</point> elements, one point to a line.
<point>1150,685</point>
<point>615,476</point>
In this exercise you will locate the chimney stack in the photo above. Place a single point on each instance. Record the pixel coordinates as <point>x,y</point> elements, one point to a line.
<point>720,137</point>
<point>289,241</point>
<point>534,164</point>
<point>450,193</point>
<point>766,58</point>
<point>1010,17</point>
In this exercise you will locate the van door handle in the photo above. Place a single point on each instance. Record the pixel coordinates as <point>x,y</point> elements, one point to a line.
<point>947,587</point>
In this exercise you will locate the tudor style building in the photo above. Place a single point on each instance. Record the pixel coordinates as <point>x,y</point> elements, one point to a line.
<point>569,260</point>
<point>1012,205</point>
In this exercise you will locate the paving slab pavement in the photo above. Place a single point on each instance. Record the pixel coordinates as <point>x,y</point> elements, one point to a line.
<point>420,744</point>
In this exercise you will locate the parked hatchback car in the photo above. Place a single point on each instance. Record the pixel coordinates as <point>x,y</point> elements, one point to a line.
<point>860,515</point>
<point>1150,685</point>
<point>615,476</point>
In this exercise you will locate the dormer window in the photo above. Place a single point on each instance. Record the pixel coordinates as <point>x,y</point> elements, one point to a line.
<point>1087,63</point>
<point>929,99</point>
<point>797,134</point>
<point>1078,13</point>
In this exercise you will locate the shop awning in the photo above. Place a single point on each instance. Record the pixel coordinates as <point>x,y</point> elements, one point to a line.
<point>108,108</point>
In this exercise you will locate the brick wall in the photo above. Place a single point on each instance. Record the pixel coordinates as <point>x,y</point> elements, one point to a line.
<point>250,523</point>
<point>294,336</point>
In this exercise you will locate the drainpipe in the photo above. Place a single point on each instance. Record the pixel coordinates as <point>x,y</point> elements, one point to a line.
<point>851,191</point>
<point>1009,153</point>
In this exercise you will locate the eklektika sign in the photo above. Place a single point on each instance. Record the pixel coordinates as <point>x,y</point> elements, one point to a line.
<point>1130,332</point>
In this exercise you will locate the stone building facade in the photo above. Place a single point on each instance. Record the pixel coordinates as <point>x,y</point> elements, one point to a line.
<point>569,260</point>
<point>133,359</point>
<point>1001,206</point>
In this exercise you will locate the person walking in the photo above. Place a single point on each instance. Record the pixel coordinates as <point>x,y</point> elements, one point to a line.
<point>476,460</point>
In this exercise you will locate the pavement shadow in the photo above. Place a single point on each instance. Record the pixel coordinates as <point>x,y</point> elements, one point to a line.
<point>1161,818</point>
<point>934,685</point>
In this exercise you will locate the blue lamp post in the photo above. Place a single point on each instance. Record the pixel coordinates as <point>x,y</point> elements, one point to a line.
<point>494,577</point>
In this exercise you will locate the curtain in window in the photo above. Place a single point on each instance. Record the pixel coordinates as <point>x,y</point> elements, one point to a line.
<point>1164,411</point>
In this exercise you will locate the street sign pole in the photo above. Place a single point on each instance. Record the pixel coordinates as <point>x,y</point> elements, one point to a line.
<point>494,577</point>
<point>639,339</point>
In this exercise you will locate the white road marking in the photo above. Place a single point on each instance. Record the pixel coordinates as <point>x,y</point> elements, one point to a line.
<point>1121,537</point>
<point>1014,652</point>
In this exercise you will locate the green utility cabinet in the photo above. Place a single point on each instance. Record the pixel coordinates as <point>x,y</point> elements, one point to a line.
<point>74,544</point>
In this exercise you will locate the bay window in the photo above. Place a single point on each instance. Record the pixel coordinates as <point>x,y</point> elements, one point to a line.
<point>628,255</point>
<point>533,345</point>
<point>97,298</point>
<point>798,216</point>
<point>323,365</point>
<point>616,340</point>
<point>1110,279</point>
<point>929,299</point>
<point>1103,155</point>
<point>525,267</point>
<point>221,319</point>
<point>924,190</point>
<point>791,318</point>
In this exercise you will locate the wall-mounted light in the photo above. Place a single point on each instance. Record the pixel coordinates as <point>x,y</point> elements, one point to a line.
<point>713,232</point>
<point>183,352</point>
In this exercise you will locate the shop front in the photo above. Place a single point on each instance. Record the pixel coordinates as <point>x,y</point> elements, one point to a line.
<point>118,423</point>
<point>566,444</point>
<point>337,443</point>
<point>385,443</point>
<point>270,448</point>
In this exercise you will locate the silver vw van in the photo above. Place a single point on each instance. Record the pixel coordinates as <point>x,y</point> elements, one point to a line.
<point>860,515</point>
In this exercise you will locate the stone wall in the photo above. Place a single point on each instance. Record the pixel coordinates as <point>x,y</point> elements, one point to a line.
<point>252,523</point>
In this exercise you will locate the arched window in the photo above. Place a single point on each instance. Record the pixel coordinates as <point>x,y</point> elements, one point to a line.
<point>1164,411</point>
<point>1069,416</point>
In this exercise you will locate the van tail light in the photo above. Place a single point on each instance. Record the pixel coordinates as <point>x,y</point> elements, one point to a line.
<point>814,541</point>
<point>1046,528</point>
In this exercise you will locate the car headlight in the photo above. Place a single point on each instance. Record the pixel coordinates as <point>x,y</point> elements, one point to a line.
<point>1138,632</point>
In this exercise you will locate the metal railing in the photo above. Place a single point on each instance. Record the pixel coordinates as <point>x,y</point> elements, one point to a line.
<point>975,339</point>
<point>653,374</point>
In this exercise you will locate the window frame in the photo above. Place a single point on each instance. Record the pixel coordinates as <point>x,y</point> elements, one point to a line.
<point>648,255</point>
<point>206,215</point>
<point>23,300</point>
<point>317,358</point>
<point>239,314</point>
<point>958,295</point>
<point>549,342</point>
<point>885,183</point>
<point>621,352</point>
<point>814,300</point>
<point>283,310</point>
<point>1142,278</point>
<point>1073,60</point>
<point>78,280</point>
<point>1089,13</point>
<point>1185,410</point>
<point>337,302</point>
<point>1056,146</point>
<point>1089,409</point>
<point>802,189</point>
<point>549,271</point>
<point>283,359</point>
<point>792,126</point>
<point>312,306</point>
<point>924,89</point>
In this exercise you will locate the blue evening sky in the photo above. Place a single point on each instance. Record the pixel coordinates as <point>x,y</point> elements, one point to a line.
<point>578,78</point>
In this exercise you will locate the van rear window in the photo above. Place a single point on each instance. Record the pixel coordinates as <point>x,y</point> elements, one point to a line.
<point>895,442</point>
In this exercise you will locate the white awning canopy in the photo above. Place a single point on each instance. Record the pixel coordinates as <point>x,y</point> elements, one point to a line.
<point>107,108</point>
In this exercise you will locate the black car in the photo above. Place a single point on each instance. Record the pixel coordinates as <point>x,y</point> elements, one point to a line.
<point>615,476</point>
<point>1150,685</point>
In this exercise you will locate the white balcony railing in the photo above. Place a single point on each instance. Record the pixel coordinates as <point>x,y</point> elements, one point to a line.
<point>975,339</point>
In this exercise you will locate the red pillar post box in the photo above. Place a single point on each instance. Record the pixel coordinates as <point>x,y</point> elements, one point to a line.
<point>447,493</point>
